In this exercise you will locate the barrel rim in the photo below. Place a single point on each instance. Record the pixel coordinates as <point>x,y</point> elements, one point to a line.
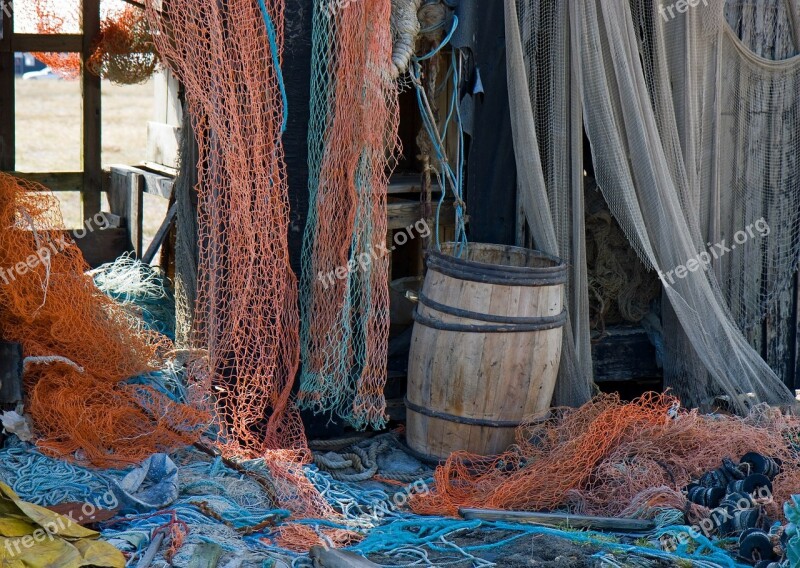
<point>477,271</point>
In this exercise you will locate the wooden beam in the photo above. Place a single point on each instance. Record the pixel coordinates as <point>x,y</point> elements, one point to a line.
<point>7,112</point>
<point>55,181</point>
<point>158,240</point>
<point>102,245</point>
<point>64,43</point>
<point>560,519</point>
<point>135,213</point>
<point>402,213</point>
<point>92,125</point>
<point>155,183</point>
<point>10,373</point>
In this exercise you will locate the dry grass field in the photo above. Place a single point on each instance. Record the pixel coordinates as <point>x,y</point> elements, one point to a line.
<point>48,114</point>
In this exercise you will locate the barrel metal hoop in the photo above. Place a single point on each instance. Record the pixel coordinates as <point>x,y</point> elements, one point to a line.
<point>497,277</point>
<point>491,318</point>
<point>553,322</point>
<point>460,419</point>
<point>499,274</point>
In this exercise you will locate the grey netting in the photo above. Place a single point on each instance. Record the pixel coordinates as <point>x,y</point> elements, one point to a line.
<point>659,156</point>
<point>546,121</point>
<point>695,145</point>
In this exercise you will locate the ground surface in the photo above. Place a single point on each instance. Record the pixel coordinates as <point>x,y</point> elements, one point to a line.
<point>48,114</point>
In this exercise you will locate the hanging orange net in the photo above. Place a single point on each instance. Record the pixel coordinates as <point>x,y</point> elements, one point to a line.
<point>227,55</point>
<point>124,52</point>
<point>247,293</point>
<point>345,282</point>
<point>79,345</point>
<point>612,458</point>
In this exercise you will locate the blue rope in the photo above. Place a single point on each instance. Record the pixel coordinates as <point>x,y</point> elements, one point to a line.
<point>273,46</point>
<point>445,41</point>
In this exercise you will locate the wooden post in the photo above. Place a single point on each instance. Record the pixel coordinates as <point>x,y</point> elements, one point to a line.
<point>10,374</point>
<point>92,142</point>
<point>136,211</point>
<point>7,112</point>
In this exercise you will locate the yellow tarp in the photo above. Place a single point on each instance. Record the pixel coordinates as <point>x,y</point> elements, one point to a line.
<point>34,537</point>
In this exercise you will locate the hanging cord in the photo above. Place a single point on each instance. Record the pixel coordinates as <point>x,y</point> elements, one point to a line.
<point>446,175</point>
<point>276,61</point>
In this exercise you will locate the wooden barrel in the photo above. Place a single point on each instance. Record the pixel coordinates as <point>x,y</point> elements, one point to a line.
<point>485,348</point>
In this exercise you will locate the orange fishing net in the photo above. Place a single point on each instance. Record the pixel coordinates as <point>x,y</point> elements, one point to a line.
<point>247,298</point>
<point>301,538</point>
<point>124,52</point>
<point>53,17</point>
<point>345,285</point>
<point>82,344</point>
<point>610,458</point>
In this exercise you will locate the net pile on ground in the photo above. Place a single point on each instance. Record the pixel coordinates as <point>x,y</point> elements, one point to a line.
<point>123,53</point>
<point>610,458</point>
<point>345,281</point>
<point>79,345</point>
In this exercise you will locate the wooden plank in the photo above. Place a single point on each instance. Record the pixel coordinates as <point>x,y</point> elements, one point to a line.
<point>409,184</point>
<point>92,123</point>
<point>6,26</point>
<point>161,234</point>
<point>624,354</point>
<point>55,181</point>
<point>325,557</point>
<point>402,213</point>
<point>102,245</point>
<point>163,141</point>
<point>135,213</point>
<point>64,43</point>
<point>10,373</point>
<point>560,519</point>
<point>7,112</point>
<point>155,183</point>
<point>118,194</point>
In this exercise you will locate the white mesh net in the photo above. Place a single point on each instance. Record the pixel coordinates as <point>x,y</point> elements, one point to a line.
<point>694,138</point>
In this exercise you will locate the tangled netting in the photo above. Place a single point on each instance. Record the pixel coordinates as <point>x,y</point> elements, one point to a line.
<point>612,458</point>
<point>228,57</point>
<point>123,53</point>
<point>620,287</point>
<point>345,281</point>
<point>80,346</point>
<point>141,289</point>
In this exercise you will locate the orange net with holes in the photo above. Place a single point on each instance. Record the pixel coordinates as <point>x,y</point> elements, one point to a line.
<point>345,281</point>
<point>124,52</point>
<point>611,458</point>
<point>79,345</point>
<point>227,55</point>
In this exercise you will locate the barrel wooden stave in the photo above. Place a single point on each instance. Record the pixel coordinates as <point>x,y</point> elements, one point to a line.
<point>490,376</point>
